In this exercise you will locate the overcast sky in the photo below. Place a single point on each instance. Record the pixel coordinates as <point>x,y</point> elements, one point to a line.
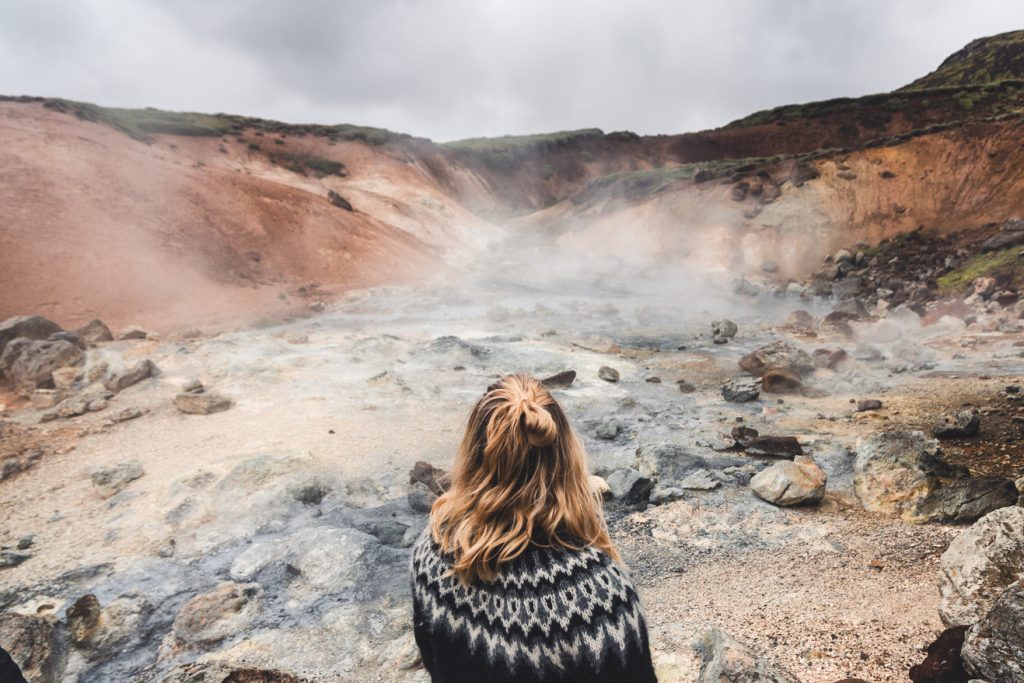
<point>448,69</point>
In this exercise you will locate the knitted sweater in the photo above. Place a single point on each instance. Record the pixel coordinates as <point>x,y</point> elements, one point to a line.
<point>551,616</point>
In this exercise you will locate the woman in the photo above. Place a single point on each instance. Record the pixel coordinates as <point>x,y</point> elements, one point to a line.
<point>516,578</point>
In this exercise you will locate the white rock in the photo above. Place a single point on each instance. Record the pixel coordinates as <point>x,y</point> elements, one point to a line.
<point>795,482</point>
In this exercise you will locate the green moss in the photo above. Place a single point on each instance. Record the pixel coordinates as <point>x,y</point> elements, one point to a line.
<point>512,142</point>
<point>1006,265</point>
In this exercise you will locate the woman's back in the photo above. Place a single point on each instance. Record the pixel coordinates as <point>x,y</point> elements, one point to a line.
<point>550,615</point>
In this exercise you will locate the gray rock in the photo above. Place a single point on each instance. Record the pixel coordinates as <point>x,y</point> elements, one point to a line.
<point>741,390</point>
<point>667,462</point>
<point>562,380</point>
<point>703,653</point>
<point>94,332</point>
<point>700,480</point>
<point>420,497</point>
<point>201,403</point>
<point>132,333</point>
<point>865,404</point>
<point>629,486</point>
<point>960,424</point>
<point>847,288</point>
<point>210,617</point>
<point>33,363</point>
<point>796,482</point>
<point>143,369</point>
<point>778,354</point>
<point>994,647</point>
<point>31,327</point>
<point>608,430</point>
<point>968,498</point>
<point>723,329</point>
<point>12,558</point>
<point>608,374</point>
<point>980,564</point>
<point>110,480</point>
<point>34,645</point>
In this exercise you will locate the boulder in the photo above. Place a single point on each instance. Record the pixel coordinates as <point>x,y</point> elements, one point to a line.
<point>740,390</point>
<point>629,486</point>
<point>608,374</point>
<point>435,478</point>
<point>83,618</point>
<point>797,482</point>
<point>201,402</point>
<point>800,318</point>
<point>33,644</point>
<point>120,381</point>
<point>666,462</point>
<point>994,647</point>
<point>94,332</point>
<point>33,365</point>
<point>963,423</point>
<point>969,498</point>
<point>1012,233</point>
<point>778,354</point>
<point>31,327</point>
<point>132,332</point>
<point>210,617</point>
<point>893,472</point>
<point>979,565</point>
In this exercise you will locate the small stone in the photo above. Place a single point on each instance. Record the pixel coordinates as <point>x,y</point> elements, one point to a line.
<point>201,403</point>
<point>193,385</point>
<point>111,480</point>
<point>120,381</point>
<point>740,390</point>
<point>685,386</point>
<point>723,329</point>
<point>10,558</point>
<point>866,404</point>
<point>608,430</point>
<point>700,480</point>
<point>132,333</point>
<point>963,423</point>
<point>562,380</point>
<point>608,374</point>
<point>629,486</point>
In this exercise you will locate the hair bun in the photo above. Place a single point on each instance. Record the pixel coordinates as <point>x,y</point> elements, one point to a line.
<point>538,423</point>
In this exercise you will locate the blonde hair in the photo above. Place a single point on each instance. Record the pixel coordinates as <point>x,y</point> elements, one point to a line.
<point>520,477</point>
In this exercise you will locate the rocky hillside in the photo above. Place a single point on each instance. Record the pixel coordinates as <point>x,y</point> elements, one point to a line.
<point>176,219</point>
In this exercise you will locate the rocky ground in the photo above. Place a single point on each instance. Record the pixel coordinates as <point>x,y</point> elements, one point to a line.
<point>181,508</point>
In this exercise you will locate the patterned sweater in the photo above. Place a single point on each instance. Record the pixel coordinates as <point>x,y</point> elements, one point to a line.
<point>550,616</point>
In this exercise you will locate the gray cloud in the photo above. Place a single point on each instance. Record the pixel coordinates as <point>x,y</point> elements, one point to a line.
<point>449,69</point>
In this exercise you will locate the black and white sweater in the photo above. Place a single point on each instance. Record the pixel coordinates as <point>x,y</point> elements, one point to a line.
<point>550,616</point>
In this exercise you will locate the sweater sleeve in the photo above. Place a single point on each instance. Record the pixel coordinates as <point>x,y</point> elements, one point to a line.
<point>422,632</point>
<point>9,671</point>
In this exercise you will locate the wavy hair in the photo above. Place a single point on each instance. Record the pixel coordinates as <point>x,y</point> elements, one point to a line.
<point>520,477</point>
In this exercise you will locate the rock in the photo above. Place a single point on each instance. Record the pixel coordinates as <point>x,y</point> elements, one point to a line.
<point>769,266</point>
<point>629,486</point>
<point>44,398</point>
<point>608,430</point>
<point>435,478</point>
<point>193,385</point>
<point>218,672</point>
<point>608,374</point>
<point>126,414</point>
<point>739,191</point>
<point>800,318</point>
<point>700,480</point>
<point>33,644</point>
<point>893,472</point>
<point>723,330</point>
<point>685,386</point>
<point>778,354</point>
<point>994,647</point>
<point>111,480</point>
<point>961,424</point>
<point>337,200</point>
<point>210,617</point>
<point>71,407</point>
<point>781,381</point>
<point>64,379</point>
<point>12,558</point>
<point>1012,233</point>
<point>33,365</point>
<point>141,370</point>
<point>714,439</point>
<point>984,286</point>
<point>740,390</point>
<point>968,498</point>
<point>703,653</point>
<point>795,290</point>
<point>69,337</point>
<point>846,288</point>
<point>94,332</point>
<point>825,358</point>
<point>31,327</point>
<point>83,617</point>
<point>743,435</point>
<point>866,404</point>
<point>563,380</point>
<point>796,482</point>
<point>132,332</point>
<point>774,446</point>
<point>943,663</point>
<point>843,255</point>
<point>420,497</point>
<point>980,564</point>
<point>201,403</point>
